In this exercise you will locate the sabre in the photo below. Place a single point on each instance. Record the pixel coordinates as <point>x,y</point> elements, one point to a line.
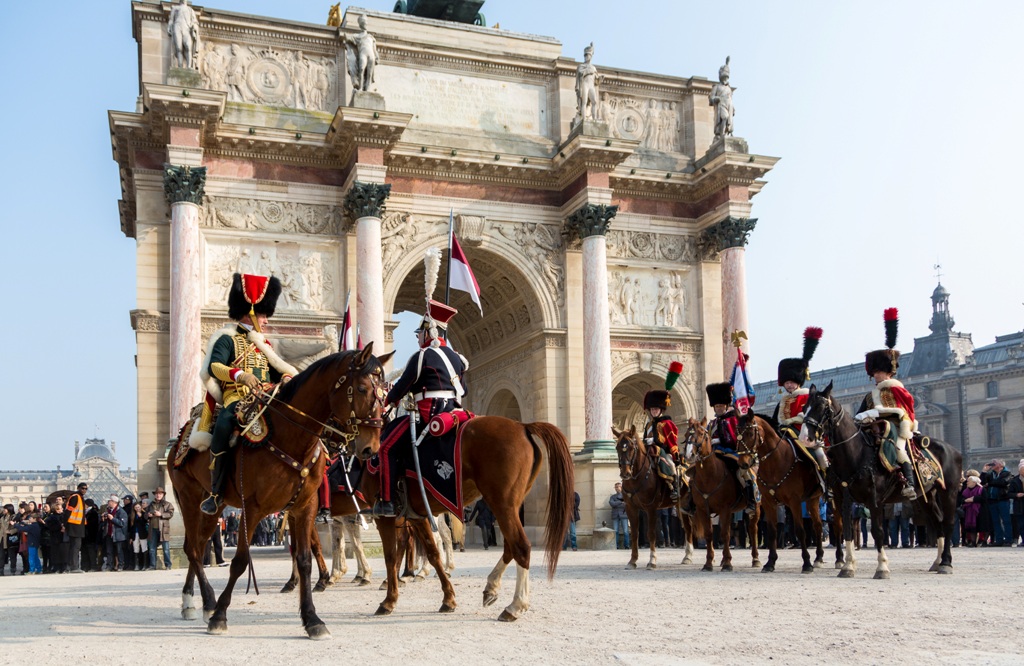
<point>416,460</point>
<point>348,484</point>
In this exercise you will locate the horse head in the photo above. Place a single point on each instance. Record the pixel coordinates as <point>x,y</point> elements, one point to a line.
<point>697,441</point>
<point>819,412</point>
<point>749,437</point>
<point>357,400</point>
<point>627,445</point>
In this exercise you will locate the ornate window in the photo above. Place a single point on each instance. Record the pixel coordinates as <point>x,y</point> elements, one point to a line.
<point>994,432</point>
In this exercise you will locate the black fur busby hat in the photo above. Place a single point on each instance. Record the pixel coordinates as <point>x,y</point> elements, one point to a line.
<point>798,369</point>
<point>719,394</point>
<point>253,293</point>
<point>888,359</point>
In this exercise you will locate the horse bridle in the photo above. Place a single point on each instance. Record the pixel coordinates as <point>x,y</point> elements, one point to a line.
<point>830,421</point>
<point>629,464</point>
<point>758,440</point>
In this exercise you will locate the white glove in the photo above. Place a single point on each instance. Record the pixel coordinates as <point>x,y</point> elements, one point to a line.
<point>869,415</point>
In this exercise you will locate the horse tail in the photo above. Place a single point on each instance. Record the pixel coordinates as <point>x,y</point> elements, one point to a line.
<point>560,489</point>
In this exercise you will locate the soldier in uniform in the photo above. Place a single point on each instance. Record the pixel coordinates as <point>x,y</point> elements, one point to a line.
<point>239,359</point>
<point>724,429</point>
<point>789,413</point>
<point>890,401</point>
<point>661,431</point>
<point>434,376</point>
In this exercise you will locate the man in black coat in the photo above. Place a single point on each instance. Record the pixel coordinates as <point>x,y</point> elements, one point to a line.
<point>1015,490</point>
<point>996,480</point>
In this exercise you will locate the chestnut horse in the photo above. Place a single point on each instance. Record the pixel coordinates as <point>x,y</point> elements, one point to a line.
<point>282,474</point>
<point>715,490</point>
<point>856,475</point>
<point>501,458</point>
<point>644,490</point>
<point>785,479</point>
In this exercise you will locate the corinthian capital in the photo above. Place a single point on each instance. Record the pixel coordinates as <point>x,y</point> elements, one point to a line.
<point>730,232</point>
<point>590,220</point>
<point>366,200</point>
<point>184,184</point>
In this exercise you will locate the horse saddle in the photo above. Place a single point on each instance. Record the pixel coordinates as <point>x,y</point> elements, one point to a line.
<point>927,466</point>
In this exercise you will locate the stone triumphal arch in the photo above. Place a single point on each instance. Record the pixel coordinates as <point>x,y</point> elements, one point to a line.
<point>608,238</point>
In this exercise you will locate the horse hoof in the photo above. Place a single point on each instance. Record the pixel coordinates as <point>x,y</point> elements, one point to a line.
<point>318,632</point>
<point>445,608</point>
<point>726,567</point>
<point>807,569</point>
<point>631,565</point>
<point>382,610</point>
<point>489,598</point>
<point>401,583</point>
<point>652,565</point>
<point>418,578</point>
<point>847,573</point>
<point>707,567</point>
<point>217,627</point>
<point>319,587</point>
<point>383,584</point>
<point>768,568</point>
<point>364,581</point>
<point>881,575</point>
<point>933,567</point>
<point>507,617</point>
<point>818,564</point>
<point>945,569</point>
<point>189,613</point>
<point>288,587</point>
<point>840,564</point>
<point>755,564</point>
<point>687,560</point>
<point>207,614</point>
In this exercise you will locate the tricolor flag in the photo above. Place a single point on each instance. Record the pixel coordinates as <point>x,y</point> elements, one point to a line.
<point>461,275</point>
<point>346,327</point>
<point>742,389</point>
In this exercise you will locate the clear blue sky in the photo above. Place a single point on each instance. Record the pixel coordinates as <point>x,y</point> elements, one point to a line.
<point>898,124</point>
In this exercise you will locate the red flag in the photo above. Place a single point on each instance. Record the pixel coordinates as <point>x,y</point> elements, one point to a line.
<point>461,277</point>
<point>346,329</point>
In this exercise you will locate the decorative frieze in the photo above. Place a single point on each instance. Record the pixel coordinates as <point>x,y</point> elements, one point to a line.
<point>655,123</point>
<point>274,216</point>
<point>184,184</point>
<point>309,281</point>
<point>542,247</point>
<point>590,220</point>
<point>647,298</point>
<point>649,245</point>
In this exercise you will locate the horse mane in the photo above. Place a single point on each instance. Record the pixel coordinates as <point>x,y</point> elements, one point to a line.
<point>327,363</point>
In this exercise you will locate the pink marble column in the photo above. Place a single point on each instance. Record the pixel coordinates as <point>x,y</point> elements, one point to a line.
<point>591,222</point>
<point>730,237</point>
<point>184,189</point>
<point>364,203</point>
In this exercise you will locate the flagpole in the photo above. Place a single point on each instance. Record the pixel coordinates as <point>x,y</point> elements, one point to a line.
<point>344,322</point>
<point>448,278</point>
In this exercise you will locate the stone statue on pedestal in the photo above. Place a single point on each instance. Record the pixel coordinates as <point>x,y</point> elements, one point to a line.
<point>362,57</point>
<point>587,81</point>
<point>183,27</point>
<point>721,99</point>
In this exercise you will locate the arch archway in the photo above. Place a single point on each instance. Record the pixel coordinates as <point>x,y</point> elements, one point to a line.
<point>504,403</point>
<point>628,401</point>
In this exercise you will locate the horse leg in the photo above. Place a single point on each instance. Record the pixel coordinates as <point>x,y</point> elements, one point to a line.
<point>294,580</point>
<point>725,527</point>
<point>849,569</point>
<point>633,513</point>
<point>363,570</point>
<point>819,534</point>
<point>195,550</point>
<point>687,522</point>
<point>188,604</point>
<point>771,537</point>
<point>389,544</point>
<point>517,547</point>
<point>837,530</point>
<point>324,579</point>
<point>709,541</point>
<point>494,578</point>
<point>305,518</point>
<point>882,571</point>
<point>218,622</point>
<point>801,535</point>
<point>339,565</point>
<point>652,537</point>
<point>446,543</point>
<point>755,560</point>
<point>422,527</point>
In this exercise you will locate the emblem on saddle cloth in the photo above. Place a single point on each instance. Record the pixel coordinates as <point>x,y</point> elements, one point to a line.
<point>929,469</point>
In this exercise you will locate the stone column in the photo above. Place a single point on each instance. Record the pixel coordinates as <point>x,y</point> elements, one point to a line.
<point>184,186</point>
<point>729,239</point>
<point>591,223</point>
<point>364,204</point>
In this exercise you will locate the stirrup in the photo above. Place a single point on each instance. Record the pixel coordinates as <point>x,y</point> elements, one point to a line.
<point>211,505</point>
<point>909,492</point>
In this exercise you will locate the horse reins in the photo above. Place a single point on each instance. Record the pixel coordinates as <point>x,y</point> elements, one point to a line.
<point>691,433</point>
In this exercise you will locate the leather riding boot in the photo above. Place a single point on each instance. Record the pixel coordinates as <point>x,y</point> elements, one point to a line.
<point>218,468</point>
<point>748,490</point>
<point>674,494</point>
<point>382,509</point>
<point>689,508</point>
<point>909,490</point>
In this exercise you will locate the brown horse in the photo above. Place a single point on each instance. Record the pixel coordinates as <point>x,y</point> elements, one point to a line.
<point>644,490</point>
<point>283,474</point>
<point>785,479</point>
<point>715,490</point>
<point>501,458</point>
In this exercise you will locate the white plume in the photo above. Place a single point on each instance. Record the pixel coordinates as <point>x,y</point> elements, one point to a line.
<point>431,267</point>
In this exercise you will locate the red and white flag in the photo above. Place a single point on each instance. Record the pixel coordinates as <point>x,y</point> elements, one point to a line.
<point>346,328</point>
<point>461,277</point>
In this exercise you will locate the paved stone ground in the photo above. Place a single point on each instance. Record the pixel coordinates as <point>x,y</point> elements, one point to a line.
<point>594,612</point>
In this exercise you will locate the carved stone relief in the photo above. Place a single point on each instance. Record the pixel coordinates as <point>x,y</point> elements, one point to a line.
<point>654,123</point>
<point>638,297</point>
<point>268,76</point>
<point>542,247</point>
<point>308,279</point>
<point>647,245</point>
<point>279,216</point>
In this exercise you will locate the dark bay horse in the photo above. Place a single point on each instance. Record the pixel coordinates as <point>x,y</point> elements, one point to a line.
<point>282,474</point>
<point>644,491</point>
<point>856,475</point>
<point>501,458</point>
<point>715,490</point>
<point>785,479</point>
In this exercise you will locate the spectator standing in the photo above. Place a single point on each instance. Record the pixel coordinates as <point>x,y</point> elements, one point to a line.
<point>33,531</point>
<point>138,539</point>
<point>9,539</point>
<point>899,524</point>
<point>996,480</point>
<point>42,517</point>
<point>56,526</point>
<point>74,521</point>
<point>215,546</point>
<point>570,537</point>
<point>114,527</point>
<point>484,519</point>
<point>92,542</point>
<point>159,514</point>
<point>231,527</point>
<point>971,495</point>
<point>620,522</point>
<point>1015,490</point>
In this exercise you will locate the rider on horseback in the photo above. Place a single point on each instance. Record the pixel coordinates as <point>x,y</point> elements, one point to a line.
<point>433,375</point>
<point>239,359</point>
<point>789,413</point>
<point>723,430</point>
<point>890,401</point>
<point>661,431</point>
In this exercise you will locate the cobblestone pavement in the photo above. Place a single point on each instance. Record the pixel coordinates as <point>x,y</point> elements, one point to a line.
<point>593,612</point>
